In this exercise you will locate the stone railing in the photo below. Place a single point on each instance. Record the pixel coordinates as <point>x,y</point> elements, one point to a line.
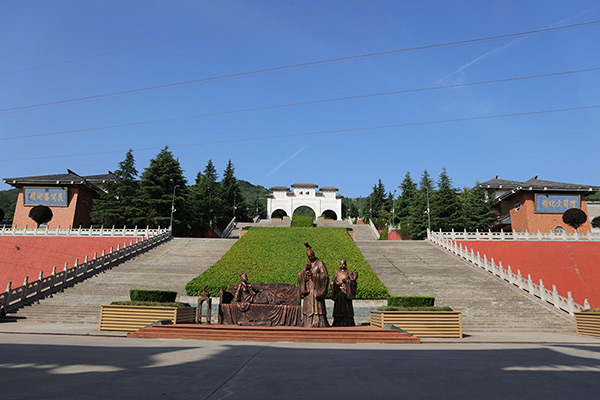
<point>96,232</point>
<point>228,229</point>
<point>374,229</point>
<point>527,284</point>
<point>464,235</point>
<point>14,298</point>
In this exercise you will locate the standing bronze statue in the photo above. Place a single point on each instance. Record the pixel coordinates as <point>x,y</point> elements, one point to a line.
<point>314,282</point>
<point>343,290</point>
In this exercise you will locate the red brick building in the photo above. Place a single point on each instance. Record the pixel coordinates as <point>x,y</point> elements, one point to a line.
<point>69,196</point>
<point>537,204</point>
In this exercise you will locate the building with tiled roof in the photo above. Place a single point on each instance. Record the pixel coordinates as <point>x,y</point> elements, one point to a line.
<point>70,197</point>
<point>537,204</point>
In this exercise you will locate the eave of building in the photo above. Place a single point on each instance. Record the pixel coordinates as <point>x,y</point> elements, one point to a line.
<point>70,178</point>
<point>305,185</point>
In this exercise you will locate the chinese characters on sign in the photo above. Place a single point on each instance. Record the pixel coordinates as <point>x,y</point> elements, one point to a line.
<point>35,196</point>
<point>554,203</point>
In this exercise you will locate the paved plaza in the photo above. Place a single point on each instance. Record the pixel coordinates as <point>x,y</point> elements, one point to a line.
<point>62,361</point>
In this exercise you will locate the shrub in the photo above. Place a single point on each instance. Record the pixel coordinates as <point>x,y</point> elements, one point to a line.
<point>41,214</point>
<point>276,255</point>
<point>150,304</point>
<point>411,301</point>
<point>574,217</point>
<point>1,214</point>
<point>379,223</point>
<point>404,232</point>
<point>383,234</point>
<point>302,221</point>
<point>596,222</point>
<point>158,296</point>
<point>592,310</point>
<point>422,308</point>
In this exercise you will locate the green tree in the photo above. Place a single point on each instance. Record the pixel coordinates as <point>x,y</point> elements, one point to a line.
<point>378,201</point>
<point>409,191</point>
<point>160,180</point>
<point>478,213</point>
<point>204,199</point>
<point>418,208</point>
<point>446,210</point>
<point>117,205</point>
<point>233,202</point>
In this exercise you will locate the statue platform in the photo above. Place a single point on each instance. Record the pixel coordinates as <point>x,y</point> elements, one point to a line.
<point>353,334</point>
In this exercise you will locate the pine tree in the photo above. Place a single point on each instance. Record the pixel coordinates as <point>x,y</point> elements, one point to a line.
<point>162,180</point>
<point>204,200</point>
<point>418,208</point>
<point>233,202</point>
<point>409,191</point>
<point>446,210</point>
<point>117,205</point>
<point>378,202</point>
<point>478,213</point>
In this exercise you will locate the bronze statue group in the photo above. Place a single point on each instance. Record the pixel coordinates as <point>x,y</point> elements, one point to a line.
<point>314,283</point>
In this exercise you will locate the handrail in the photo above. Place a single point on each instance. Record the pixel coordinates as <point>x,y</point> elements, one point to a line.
<point>538,290</point>
<point>91,231</point>
<point>14,298</point>
<point>502,235</point>
<point>228,229</point>
<point>374,228</point>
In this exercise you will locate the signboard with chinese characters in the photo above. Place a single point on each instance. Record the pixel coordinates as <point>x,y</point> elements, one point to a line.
<point>555,203</point>
<point>45,196</point>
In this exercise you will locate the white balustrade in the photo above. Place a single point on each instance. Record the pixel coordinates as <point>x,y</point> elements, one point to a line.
<point>97,232</point>
<point>448,242</point>
<point>16,297</point>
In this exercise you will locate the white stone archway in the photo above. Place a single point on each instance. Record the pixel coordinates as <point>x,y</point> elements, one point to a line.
<point>304,194</point>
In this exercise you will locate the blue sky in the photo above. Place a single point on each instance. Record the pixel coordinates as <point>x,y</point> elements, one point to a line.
<point>560,146</point>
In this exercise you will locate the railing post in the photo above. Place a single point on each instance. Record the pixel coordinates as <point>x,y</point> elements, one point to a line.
<point>520,279</point>
<point>40,280</point>
<point>500,269</point>
<point>8,289</point>
<point>65,273</point>
<point>586,305</point>
<point>570,305</point>
<point>24,291</point>
<point>555,297</point>
<point>53,281</point>
<point>542,291</point>
<point>511,279</point>
<point>529,284</point>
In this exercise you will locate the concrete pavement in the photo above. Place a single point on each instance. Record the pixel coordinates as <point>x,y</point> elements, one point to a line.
<point>53,361</point>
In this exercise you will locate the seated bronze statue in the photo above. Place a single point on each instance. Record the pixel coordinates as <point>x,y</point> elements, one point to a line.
<point>268,304</point>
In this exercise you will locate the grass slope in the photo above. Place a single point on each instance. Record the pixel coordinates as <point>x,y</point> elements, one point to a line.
<point>276,255</point>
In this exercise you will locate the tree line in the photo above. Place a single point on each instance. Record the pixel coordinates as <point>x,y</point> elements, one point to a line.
<point>449,207</point>
<point>147,201</point>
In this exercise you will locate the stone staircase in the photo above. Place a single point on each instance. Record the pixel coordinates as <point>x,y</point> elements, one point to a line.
<point>167,267</point>
<point>363,232</point>
<point>487,303</point>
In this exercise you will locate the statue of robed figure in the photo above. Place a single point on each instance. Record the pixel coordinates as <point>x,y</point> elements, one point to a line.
<point>343,290</point>
<point>314,282</point>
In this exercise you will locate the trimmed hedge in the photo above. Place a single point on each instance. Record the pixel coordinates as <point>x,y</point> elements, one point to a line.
<point>157,296</point>
<point>149,304</point>
<point>422,308</point>
<point>276,255</point>
<point>302,221</point>
<point>411,301</point>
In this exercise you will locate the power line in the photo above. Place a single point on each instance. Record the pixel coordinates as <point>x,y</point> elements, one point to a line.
<point>148,122</point>
<point>325,132</point>
<point>306,64</point>
<point>150,44</point>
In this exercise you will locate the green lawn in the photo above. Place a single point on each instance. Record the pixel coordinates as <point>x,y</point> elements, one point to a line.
<point>276,255</point>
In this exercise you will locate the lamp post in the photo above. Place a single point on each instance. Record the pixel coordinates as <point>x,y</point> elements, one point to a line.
<point>172,207</point>
<point>428,210</point>
<point>234,195</point>
<point>393,209</point>
<point>370,210</point>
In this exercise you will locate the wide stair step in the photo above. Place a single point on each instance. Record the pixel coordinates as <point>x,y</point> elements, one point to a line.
<point>359,334</point>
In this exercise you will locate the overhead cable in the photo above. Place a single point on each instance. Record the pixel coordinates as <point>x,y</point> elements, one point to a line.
<point>305,65</point>
<point>324,132</point>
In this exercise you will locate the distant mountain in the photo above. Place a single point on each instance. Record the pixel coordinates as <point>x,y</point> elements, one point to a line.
<point>8,201</point>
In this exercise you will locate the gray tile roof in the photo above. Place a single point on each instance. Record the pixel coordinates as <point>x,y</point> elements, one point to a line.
<point>70,178</point>
<point>536,184</point>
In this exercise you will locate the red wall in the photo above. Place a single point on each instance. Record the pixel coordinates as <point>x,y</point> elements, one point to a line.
<point>393,235</point>
<point>571,266</point>
<point>22,256</point>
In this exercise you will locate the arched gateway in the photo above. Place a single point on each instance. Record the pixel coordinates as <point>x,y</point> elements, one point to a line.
<point>324,200</point>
